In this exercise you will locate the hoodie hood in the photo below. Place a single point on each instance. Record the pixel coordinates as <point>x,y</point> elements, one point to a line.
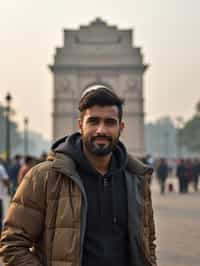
<point>72,147</point>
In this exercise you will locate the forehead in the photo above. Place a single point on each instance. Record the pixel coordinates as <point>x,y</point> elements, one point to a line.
<point>102,111</point>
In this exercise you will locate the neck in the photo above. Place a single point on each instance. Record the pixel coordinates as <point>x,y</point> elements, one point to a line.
<point>100,163</point>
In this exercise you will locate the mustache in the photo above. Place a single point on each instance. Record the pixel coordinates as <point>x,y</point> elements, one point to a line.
<point>109,138</point>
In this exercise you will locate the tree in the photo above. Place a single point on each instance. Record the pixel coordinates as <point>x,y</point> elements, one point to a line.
<point>197,107</point>
<point>188,135</point>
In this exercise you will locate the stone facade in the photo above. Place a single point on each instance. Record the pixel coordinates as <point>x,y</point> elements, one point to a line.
<point>104,54</point>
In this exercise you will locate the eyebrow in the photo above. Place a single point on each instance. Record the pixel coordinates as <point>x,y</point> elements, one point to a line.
<point>99,118</point>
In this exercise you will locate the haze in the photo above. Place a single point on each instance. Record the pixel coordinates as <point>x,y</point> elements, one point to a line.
<point>168,32</point>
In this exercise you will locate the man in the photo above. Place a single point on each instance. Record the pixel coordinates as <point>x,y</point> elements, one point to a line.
<point>13,173</point>
<point>4,183</point>
<point>162,174</point>
<point>195,173</point>
<point>26,166</point>
<point>89,204</point>
<point>181,173</point>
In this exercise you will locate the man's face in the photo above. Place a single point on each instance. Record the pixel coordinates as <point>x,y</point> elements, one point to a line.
<point>100,128</point>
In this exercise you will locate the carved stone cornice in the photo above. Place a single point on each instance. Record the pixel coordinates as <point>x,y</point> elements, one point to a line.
<point>58,68</point>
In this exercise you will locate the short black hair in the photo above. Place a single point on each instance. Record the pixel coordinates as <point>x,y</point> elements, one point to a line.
<point>102,96</point>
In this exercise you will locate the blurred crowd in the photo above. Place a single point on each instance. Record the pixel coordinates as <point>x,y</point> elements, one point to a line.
<point>187,172</point>
<point>11,175</point>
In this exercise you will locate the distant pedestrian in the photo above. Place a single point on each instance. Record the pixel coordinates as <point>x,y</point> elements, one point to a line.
<point>162,174</point>
<point>14,172</point>
<point>189,178</point>
<point>43,157</point>
<point>28,164</point>
<point>195,173</point>
<point>181,173</point>
<point>4,183</point>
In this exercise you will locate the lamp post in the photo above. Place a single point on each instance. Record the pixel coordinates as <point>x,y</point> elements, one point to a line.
<point>73,111</point>
<point>179,142</point>
<point>167,144</point>
<point>26,140</point>
<point>8,101</point>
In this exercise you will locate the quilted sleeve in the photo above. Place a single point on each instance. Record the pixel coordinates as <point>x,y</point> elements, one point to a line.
<point>24,221</point>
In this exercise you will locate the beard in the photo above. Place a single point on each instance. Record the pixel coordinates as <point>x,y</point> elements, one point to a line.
<point>99,149</point>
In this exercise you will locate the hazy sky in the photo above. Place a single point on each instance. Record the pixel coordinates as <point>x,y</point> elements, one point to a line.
<point>167,30</point>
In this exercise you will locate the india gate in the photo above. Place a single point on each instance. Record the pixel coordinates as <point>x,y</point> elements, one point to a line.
<point>93,54</point>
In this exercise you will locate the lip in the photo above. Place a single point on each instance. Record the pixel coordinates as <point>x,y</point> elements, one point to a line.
<point>101,140</point>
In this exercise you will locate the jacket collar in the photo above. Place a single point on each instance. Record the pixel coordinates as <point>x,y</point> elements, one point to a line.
<point>64,164</point>
<point>138,168</point>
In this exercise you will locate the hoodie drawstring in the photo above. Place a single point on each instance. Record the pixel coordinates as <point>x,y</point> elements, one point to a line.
<point>100,197</point>
<point>114,201</point>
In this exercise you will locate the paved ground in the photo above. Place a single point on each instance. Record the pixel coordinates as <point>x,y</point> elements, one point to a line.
<point>178,227</point>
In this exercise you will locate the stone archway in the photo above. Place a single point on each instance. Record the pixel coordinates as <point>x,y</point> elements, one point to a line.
<point>99,53</point>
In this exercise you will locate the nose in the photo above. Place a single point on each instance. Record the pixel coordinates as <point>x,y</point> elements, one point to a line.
<point>101,128</point>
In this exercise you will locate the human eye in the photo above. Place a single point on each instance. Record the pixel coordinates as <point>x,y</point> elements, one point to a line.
<point>110,122</point>
<point>93,121</point>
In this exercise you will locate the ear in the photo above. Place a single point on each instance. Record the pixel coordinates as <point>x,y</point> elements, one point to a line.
<point>122,125</point>
<point>80,125</point>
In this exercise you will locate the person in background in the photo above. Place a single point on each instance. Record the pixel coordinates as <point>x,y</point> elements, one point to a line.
<point>28,164</point>
<point>13,173</point>
<point>189,175</point>
<point>162,174</point>
<point>43,157</point>
<point>195,173</point>
<point>4,184</point>
<point>181,173</point>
